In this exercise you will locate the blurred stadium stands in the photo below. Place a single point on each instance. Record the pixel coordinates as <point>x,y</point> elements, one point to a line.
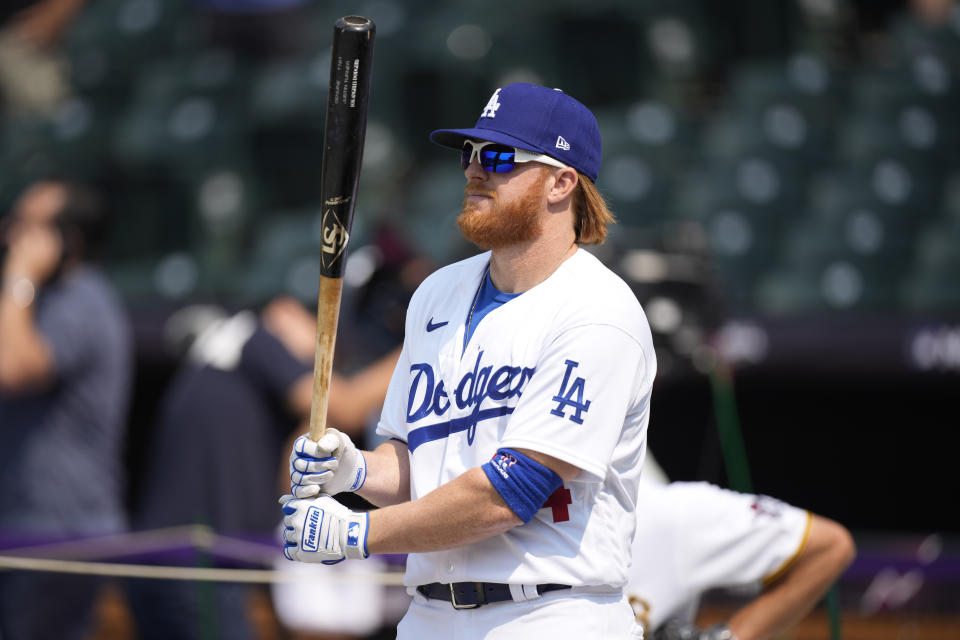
<point>806,166</point>
<point>819,173</point>
<point>786,175</point>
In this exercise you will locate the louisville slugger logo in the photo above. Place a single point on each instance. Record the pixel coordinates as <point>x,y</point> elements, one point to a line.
<point>334,238</point>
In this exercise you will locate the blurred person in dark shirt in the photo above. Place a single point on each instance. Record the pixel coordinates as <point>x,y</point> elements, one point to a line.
<point>65,374</point>
<point>245,385</point>
<point>243,390</point>
<point>241,395</point>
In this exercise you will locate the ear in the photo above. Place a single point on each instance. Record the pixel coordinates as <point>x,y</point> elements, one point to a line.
<point>564,182</point>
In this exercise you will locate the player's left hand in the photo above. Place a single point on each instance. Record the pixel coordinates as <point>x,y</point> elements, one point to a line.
<point>677,630</point>
<point>322,530</point>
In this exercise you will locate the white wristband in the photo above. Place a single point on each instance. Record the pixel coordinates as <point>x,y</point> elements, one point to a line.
<point>21,290</point>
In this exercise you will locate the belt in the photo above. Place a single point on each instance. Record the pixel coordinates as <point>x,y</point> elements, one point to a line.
<point>470,595</point>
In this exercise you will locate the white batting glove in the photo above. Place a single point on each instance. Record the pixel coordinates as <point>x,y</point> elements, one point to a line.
<point>322,530</point>
<point>332,465</point>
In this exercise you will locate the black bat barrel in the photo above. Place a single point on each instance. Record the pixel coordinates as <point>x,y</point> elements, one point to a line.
<point>344,129</point>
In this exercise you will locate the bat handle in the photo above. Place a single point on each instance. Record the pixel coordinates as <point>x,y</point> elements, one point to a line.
<point>328,312</point>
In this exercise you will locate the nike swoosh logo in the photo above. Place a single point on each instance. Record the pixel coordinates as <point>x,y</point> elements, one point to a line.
<point>433,327</point>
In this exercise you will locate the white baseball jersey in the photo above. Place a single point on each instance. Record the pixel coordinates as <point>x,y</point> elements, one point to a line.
<point>694,536</point>
<point>565,369</point>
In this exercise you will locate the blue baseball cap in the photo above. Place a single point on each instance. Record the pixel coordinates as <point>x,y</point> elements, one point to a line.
<point>538,119</point>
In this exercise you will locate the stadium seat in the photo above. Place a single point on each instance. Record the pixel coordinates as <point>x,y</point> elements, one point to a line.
<point>662,133</point>
<point>888,113</point>
<point>112,40</point>
<point>284,258</point>
<point>835,284</point>
<point>432,205</point>
<point>185,112</point>
<point>911,37</point>
<point>639,194</point>
<point>932,283</point>
<point>152,216</point>
<point>759,182</point>
<point>27,152</point>
<point>901,193</point>
<point>803,78</point>
<point>846,262</point>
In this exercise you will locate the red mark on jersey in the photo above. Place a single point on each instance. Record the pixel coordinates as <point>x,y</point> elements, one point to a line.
<point>767,506</point>
<point>558,501</point>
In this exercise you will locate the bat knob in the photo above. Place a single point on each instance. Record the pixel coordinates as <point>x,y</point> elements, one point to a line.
<point>355,23</point>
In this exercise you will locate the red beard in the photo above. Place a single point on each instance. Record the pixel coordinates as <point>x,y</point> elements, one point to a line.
<point>503,225</point>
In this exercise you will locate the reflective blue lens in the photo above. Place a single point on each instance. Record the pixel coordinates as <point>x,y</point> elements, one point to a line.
<point>497,159</point>
<point>494,158</point>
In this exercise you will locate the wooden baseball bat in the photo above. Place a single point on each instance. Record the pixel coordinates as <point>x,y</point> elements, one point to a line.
<point>344,130</point>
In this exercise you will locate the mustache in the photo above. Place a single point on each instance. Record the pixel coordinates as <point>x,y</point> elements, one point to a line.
<point>476,190</point>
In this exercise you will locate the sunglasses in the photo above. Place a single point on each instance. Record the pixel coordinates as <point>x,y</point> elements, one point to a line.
<point>500,158</point>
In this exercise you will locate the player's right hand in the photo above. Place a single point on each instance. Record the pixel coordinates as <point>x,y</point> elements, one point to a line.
<point>330,465</point>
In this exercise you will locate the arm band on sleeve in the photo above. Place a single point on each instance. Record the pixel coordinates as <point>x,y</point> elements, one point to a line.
<point>523,483</point>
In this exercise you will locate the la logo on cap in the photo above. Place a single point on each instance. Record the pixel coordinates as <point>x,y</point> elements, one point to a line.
<point>490,111</point>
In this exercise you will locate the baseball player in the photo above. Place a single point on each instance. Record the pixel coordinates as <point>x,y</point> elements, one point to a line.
<point>518,411</point>
<point>694,536</point>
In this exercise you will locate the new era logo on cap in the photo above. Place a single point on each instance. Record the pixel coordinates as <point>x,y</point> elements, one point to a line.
<point>538,119</point>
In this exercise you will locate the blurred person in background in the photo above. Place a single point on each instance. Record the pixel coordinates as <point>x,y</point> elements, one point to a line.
<point>244,387</point>
<point>65,376</point>
<point>933,12</point>
<point>349,600</point>
<point>694,537</point>
<point>33,73</point>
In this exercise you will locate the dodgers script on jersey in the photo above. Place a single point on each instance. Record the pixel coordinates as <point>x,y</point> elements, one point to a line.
<point>695,536</point>
<point>565,369</point>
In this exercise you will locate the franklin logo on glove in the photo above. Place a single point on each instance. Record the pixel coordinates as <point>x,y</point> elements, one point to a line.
<point>312,530</point>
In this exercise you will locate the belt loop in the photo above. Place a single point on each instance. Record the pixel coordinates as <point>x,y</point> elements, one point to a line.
<point>516,592</point>
<point>530,591</point>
